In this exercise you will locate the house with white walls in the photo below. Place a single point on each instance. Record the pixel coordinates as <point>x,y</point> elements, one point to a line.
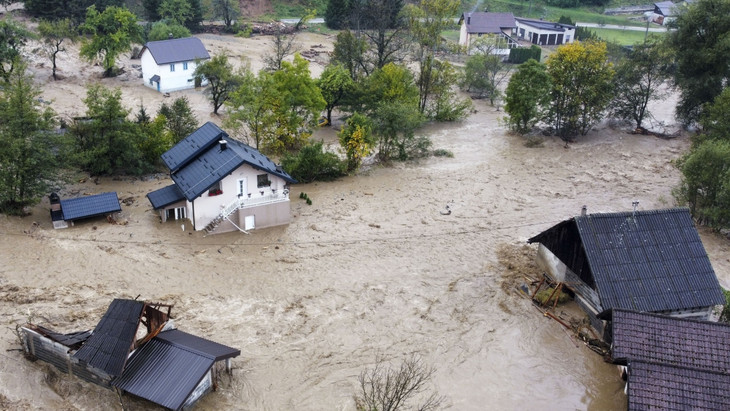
<point>221,184</point>
<point>500,26</point>
<point>169,65</point>
<point>544,33</point>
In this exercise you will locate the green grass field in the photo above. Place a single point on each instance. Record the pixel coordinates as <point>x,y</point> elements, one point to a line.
<point>622,37</point>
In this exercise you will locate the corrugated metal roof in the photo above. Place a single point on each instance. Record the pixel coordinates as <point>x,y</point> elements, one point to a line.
<point>165,196</point>
<point>654,386</point>
<point>113,337</point>
<point>198,162</point>
<point>90,206</point>
<point>484,22</point>
<point>177,50</point>
<point>167,369</point>
<point>670,340</point>
<point>659,248</point>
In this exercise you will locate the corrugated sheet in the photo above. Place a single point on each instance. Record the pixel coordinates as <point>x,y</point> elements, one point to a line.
<point>670,340</point>
<point>112,339</point>
<point>90,206</point>
<point>658,249</point>
<point>169,367</point>
<point>165,196</point>
<point>654,386</point>
<point>177,50</point>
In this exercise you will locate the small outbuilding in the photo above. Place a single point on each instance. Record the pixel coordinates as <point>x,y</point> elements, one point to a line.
<point>169,65</point>
<point>650,261</point>
<point>65,212</point>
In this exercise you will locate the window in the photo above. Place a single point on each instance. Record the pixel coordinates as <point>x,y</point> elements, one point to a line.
<point>262,180</point>
<point>185,65</point>
<point>172,67</point>
<point>215,189</point>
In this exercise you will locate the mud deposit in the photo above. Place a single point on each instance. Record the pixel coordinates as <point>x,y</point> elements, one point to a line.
<point>372,268</point>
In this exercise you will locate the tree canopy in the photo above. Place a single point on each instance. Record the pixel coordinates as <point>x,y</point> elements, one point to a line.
<point>13,37</point>
<point>221,79</point>
<point>54,34</point>
<point>526,96</point>
<point>112,32</point>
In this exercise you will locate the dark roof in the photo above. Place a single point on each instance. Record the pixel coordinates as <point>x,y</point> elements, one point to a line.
<point>483,22</point>
<point>666,8</point>
<point>646,261</point>
<point>664,387</point>
<point>68,339</point>
<point>545,25</point>
<point>167,369</point>
<point>175,50</point>
<point>165,196</point>
<point>155,78</point>
<point>197,162</point>
<point>113,337</point>
<point>670,340</point>
<point>90,206</point>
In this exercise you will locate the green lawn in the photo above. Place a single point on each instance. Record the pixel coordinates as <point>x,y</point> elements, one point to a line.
<point>622,37</point>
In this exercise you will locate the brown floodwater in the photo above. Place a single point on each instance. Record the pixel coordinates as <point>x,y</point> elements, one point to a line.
<point>372,269</point>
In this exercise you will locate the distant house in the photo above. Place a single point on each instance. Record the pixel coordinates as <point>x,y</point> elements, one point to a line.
<point>65,212</point>
<point>166,366</point>
<point>168,65</point>
<point>476,24</point>
<point>649,261</point>
<point>666,11</point>
<point>221,184</point>
<point>544,33</point>
<point>671,363</point>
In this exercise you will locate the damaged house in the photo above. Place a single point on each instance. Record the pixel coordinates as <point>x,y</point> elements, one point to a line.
<point>647,261</point>
<point>164,365</point>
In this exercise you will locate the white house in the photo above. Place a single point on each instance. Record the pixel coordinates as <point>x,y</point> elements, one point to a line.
<point>476,24</point>
<point>544,33</point>
<point>221,184</point>
<point>168,65</point>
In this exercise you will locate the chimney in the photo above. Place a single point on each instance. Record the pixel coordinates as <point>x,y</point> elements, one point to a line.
<point>584,211</point>
<point>223,144</point>
<point>170,36</point>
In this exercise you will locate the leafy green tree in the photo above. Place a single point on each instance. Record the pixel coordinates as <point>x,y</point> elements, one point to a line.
<point>715,120</point>
<point>313,163</point>
<point>251,108</point>
<point>162,30</point>
<point>357,139</point>
<point>177,11</point>
<point>581,80</point>
<point>27,141</point>
<point>13,37</point>
<point>485,70</point>
<point>106,142</point>
<point>112,32</point>
<point>65,9</point>
<point>335,84</point>
<point>705,185</point>
<point>639,78</point>
<point>337,16</point>
<point>426,21</point>
<point>701,45</point>
<point>226,10</point>
<point>282,46</point>
<point>152,9</point>
<point>179,119</point>
<point>528,91</point>
<point>154,140</point>
<point>53,34</point>
<point>221,79</point>
<point>445,104</point>
<point>349,51</point>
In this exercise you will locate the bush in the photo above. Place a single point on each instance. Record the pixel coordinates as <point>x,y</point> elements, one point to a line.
<point>313,163</point>
<point>441,152</point>
<point>521,55</point>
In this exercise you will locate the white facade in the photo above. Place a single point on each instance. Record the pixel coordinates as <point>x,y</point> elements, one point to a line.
<point>539,34</point>
<point>172,77</point>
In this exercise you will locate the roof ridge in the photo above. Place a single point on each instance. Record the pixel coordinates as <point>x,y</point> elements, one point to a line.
<point>684,367</point>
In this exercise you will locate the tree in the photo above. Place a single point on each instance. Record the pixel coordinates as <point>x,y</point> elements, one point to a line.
<point>334,83</point>
<point>426,22</point>
<point>106,142</point>
<point>162,30</point>
<point>227,10</point>
<point>639,78</point>
<point>282,46</point>
<point>221,79</point>
<point>177,11</point>
<point>337,15</point>
<point>349,51</point>
<point>54,33</point>
<point>528,91</point>
<point>251,108</point>
<point>356,138</point>
<point>581,80</point>
<point>112,32</point>
<point>313,163</point>
<point>715,120</point>
<point>65,9</point>
<point>485,69</point>
<point>179,119</point>
<point>445,104</point>
<point>152,9</point>
<point>701,45</point>
<point>13,37</point>
<point>387,388</point>
<point>27,141</point>
<point>705,185</point>
<point>380,22</point>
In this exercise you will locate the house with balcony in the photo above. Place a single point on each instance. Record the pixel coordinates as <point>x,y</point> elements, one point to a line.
<point>169,65</point>
<point>499,26</point>
<point>221,184</point>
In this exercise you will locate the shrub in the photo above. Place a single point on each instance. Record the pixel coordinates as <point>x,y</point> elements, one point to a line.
<point>313,163</point>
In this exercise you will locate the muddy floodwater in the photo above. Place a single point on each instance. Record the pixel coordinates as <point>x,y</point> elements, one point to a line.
<point>374,268</point>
